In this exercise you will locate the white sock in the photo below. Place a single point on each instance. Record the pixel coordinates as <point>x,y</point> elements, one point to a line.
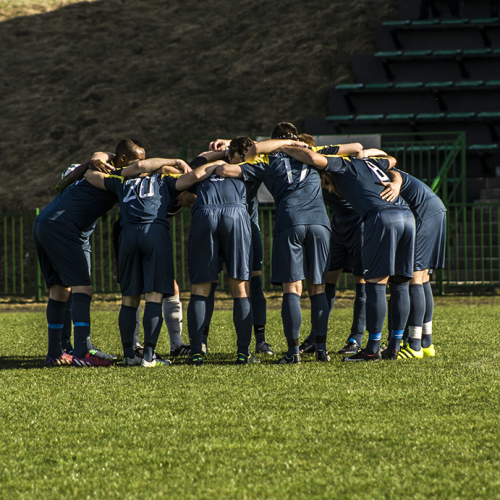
<point>137,326</point>
<point>415,332</point>
<point>172,312</point>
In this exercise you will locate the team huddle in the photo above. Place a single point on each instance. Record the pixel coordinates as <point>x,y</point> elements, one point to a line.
<point>387,228</point>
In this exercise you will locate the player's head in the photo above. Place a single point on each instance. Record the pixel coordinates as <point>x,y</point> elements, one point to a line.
<point>285,130</point>
<point>128,150</point>
<point>238,148</point>
<point>328,183</point>
<point>308,139</point>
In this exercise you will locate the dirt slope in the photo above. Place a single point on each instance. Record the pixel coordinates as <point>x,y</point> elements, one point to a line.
<point>79,78</point>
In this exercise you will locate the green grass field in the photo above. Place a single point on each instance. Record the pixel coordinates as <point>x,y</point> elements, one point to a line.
<point>405,429</point>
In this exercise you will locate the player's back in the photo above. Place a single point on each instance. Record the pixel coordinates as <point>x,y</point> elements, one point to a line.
<point>143,200</point>
<point>359,181</point>
<point>423,202</point>
<point>77,208</point>
<point>220,191</point>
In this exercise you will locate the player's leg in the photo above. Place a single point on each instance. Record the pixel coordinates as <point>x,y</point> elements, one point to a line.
<point>259,302</point>
<point>209,313</point>
<point>196,316</point>
<point>413,347</point>
<point>291,316</point>
<point>427,345</point>
<point>55,313</point>
<point>353,344</point>
<point>67,329</point>
<point>151,322</point>
<point>127,320</point>
<point>80,314</point>
<point>172,312</point>
<point>242,318</point>
<point>320,313</point>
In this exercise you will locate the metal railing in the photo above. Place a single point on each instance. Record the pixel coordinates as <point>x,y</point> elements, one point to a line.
<point>473,245</point>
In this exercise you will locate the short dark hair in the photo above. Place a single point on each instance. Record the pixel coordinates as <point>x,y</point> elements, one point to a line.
<point>285,130</point>
<point>240,145</point>
<point>128,147</point>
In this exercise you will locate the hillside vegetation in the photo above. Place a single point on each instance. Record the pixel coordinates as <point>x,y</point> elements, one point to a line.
<point>79,76</point>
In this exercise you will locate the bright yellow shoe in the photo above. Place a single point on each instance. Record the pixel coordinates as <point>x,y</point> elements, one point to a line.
<point>408,353</point>
<point>429,351</point>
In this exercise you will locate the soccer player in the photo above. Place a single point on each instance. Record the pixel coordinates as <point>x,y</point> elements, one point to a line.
<point>61,235</point>
<point>388,240</point>
<point>430,242</point>
<point>301,237</point>
<point>236,151</point>
<point>221,227</point>
<point>145,259</point>
<point>345,251</point>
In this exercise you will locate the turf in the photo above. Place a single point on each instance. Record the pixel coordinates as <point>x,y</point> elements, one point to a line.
<point>418,428</point>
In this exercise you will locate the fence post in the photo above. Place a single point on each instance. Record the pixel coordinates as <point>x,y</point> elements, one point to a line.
<point>38,272</point>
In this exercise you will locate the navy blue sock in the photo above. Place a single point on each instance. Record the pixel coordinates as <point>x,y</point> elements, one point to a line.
<point>243,320</point>
<point>196,316</point>
<point>151,322</point>
<point>359,314</point>
<point>127,325</point>
<point>429,311</point>
<point>259,306</point>
<point>55,320</point>
<point>320,313</point>
<point>80,313</point>
<point>399,310</point>
<point>67,330</point>
<point>210,302</point>
<point>330,290</point>
<point>376,310</point>
<point>416,316</point>
<point>291,316</point>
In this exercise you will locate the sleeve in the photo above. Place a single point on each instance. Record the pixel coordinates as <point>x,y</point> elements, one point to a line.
<point>171,181</point>
<point>336,164</point>
<point>326,150</point>
<point>254,170</point>
<point>113,183</point>
<point>198,162</point>
<point>70,169</point>
<point>383,163</point>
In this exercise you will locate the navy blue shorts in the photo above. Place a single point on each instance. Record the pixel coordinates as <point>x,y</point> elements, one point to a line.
<point>430,243</point>
<point>145,261</point>
<point>345,244</point>
<point>64,259</point>
<point>220,231</point>
<point>389,243</point>
<point>301,252</point>
<point>258,250</point>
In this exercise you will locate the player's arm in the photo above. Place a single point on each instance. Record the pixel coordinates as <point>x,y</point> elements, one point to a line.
<point>392,188</point>
<point>219,144</point>
<point>231,170</point>
<point>270,146</point>
<point>307,156</point>
<point>351,149</point>
<point>197,175</point>
<point>96,178</point>
<point>155,165</point>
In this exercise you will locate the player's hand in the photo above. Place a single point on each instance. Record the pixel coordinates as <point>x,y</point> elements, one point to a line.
<point>219,144</point>
<point>100,166</point>
<point>391,191</point>
<point>183,166</point>
<point>186,199</point>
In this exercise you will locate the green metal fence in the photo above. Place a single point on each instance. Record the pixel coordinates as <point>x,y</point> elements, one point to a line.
<point>473,240</point>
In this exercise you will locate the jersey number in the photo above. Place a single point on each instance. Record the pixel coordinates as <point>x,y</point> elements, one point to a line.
<point>289,172</point>
<point>146,189</point>
<point>378,172</point>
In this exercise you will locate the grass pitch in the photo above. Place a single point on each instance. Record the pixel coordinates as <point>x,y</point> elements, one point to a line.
<point>405,429</point>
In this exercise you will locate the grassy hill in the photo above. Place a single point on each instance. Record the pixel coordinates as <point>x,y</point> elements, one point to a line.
<point>78,76</point>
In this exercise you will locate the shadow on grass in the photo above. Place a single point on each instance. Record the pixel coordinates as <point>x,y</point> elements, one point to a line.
<point>21,362</point>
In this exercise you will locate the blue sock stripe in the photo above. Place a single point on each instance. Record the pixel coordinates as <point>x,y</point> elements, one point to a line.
<point>375,336</point>
<point>56,326</point>
<point>81,324</point>
<point>397,334</point>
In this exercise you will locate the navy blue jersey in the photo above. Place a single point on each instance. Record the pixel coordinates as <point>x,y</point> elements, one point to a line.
<point>423,202</point>
<point>295,187</point>
<point>359,182</point>
<point>143,200</point>
<point>77,209</point>
<point>336,204</point>
<point>220,191</point>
